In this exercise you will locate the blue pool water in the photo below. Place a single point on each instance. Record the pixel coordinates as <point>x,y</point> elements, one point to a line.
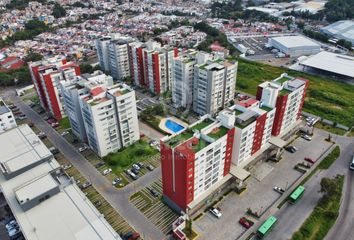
<point>173,126</point>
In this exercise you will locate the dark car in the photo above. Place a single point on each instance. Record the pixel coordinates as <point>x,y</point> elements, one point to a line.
<point>136,172</point>
<point>100,164</point>
<point>291,149</point>
<point>245,222</point>
<point>97,203</point>
<point>140,164</point>
<point>131,236</point>
<point>154,192</point>
<point>309,160</point>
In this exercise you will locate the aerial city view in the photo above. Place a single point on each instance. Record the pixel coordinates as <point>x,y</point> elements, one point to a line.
<point>176,119</point>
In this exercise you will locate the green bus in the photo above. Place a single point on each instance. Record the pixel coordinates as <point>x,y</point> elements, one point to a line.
<point>296,195</point>
<point>266,226</point>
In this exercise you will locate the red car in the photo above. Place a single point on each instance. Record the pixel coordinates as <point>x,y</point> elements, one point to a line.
<point>245,222</point>
<point>309,160</point>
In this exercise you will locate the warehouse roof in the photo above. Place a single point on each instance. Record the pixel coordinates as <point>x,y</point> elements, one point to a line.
<point>64,214</point>
<point>295,41</point>
<point>331,62</point>
<point>342,29</point>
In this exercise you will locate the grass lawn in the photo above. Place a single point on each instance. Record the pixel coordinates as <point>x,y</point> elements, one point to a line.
<point>325,97</point>
<point>65,123</point>
<point>324,215</point>
<point>123,159</point>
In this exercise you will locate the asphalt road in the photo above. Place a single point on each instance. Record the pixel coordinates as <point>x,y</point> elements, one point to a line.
<point>291,217</point>
<point>119,199</point>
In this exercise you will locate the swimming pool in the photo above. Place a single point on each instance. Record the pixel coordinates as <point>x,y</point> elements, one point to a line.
<point>173,126</point>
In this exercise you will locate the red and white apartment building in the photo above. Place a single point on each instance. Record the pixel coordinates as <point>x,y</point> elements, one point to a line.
<point>151,65</point>
<point>198,161</point>
<point>195,162</point>
<point>46,76</point>
<point>286,94</point>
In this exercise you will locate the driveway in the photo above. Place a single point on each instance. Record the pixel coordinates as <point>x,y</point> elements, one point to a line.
<point>119,199</point>
<point>260,194</point>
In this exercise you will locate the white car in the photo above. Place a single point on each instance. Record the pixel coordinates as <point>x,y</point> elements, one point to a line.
<point>306,137</point>
<point>107,171</point>
<point>136,167</point>
<point>81,149</point>
<point>64,133</point>
<point>216,212</point>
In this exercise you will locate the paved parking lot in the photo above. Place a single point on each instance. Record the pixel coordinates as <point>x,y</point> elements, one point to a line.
<point>260,194</point>
<point>153,208</point>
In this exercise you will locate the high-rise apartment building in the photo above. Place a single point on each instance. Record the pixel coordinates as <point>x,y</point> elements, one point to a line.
<point>214,84</point>
<point>73,90</point>
<point>287,95</point>
<point>46,76</point>
<point>110,118</point>
<point>195,162</point>
<point>183,77</point>
<point>103,52</point>
<point>118,54</point>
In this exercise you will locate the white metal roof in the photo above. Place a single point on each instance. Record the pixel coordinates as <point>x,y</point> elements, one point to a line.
<point>295,41</point>
<point>66,215</point>
<point>331,62</point>
<point>20,148</point>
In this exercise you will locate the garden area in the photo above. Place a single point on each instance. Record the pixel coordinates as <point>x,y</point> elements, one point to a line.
<point>325,213</point>
<point>153,115</point>
<point>326,98</point>
<point>125,158</point>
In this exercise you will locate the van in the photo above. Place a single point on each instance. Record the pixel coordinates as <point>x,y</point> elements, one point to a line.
<point>351,166</point>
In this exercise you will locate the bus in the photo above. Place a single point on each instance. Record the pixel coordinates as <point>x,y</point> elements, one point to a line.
<point>266,226</point>
<point>296,195</point>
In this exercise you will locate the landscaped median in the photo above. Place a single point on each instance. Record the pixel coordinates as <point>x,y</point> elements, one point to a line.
<point>325,213</point>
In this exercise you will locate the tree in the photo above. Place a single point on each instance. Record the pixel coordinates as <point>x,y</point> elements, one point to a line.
<point>58,11</point>
<point>329,188</point>
<point>86,68</point>
<point>344,43</point>
<point>33,57</point>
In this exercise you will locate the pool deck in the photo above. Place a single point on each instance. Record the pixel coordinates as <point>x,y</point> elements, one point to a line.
<point>162,124</point>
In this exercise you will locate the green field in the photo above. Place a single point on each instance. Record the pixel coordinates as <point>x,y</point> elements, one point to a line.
<point>123,159</point>
<point>326,98</point>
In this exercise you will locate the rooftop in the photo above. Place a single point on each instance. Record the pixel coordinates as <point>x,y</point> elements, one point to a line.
<point>331,62</point>
<point>295,41</point>
<point>20,149</point>
<point>218,132</point>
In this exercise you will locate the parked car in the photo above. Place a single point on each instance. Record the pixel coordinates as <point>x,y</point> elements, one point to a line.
<point>99,164</point>
<point>41,111</point>
<point>150,167</point>
<point>135,171</point>
<point>30,124</point>
<point>131,236</point>
<point>128,171</point>
<point>116,181</point>
<point>67,166</point>
<point>107,171</point>
<point>140,164</point>
<point>83,148</point>
<point>309,160</point>
<point>85,185</point>
<point>154,192</point>
<point>133,176</point>
<point>216,212</point>
<point>51,120</point>
<point>245,222</point>
<point>290,149</point>
<point>64,133</point>
<point>279,190</point>
<point>135,166</point>
<point>42,135</point>
<point>54,150</point>
<point>54,124</point>
<point>32,105</point>
<point>97,203</point>
<point>306,137</point>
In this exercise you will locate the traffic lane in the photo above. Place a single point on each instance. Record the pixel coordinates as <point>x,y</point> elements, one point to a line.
<point>118,201</point>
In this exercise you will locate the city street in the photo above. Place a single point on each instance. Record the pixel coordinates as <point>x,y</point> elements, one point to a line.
<point>117,198</point>
<point>290,218</point>
<point>260,194</point>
